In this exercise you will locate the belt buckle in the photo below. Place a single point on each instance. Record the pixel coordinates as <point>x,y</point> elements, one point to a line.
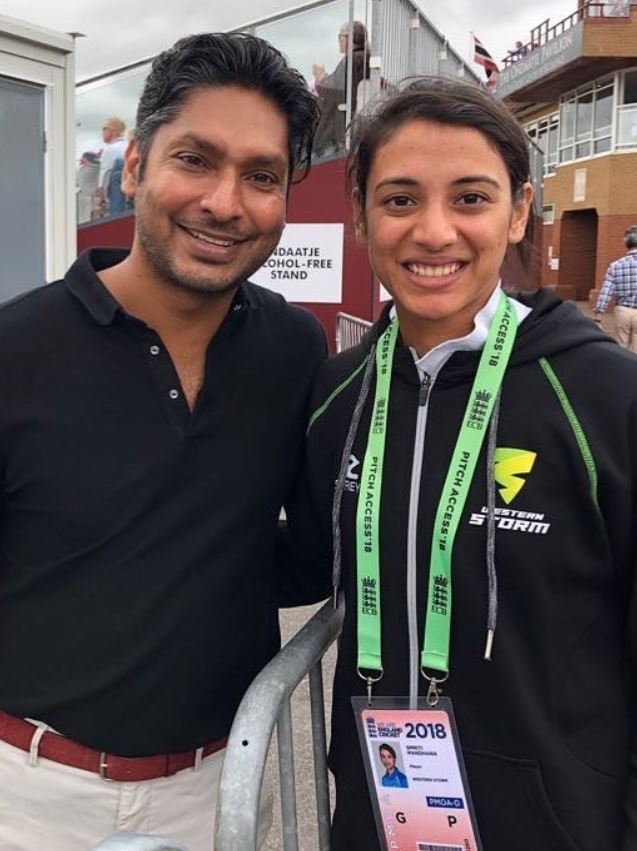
<point>103,766</point>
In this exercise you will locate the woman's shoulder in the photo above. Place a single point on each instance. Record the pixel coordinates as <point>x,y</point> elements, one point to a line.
<point>337,378</point>
<point>340,367</point>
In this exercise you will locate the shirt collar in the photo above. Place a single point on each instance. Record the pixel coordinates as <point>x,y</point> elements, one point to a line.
<point>84,283</point>
<point>433,361</point>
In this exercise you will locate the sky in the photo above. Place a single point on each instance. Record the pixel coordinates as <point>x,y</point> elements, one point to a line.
<point>121,31</point>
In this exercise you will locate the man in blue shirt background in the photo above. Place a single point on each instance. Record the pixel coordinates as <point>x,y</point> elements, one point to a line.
<point>621,284</point>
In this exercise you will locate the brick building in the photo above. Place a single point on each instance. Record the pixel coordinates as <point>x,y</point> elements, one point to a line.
<point>574,89</point>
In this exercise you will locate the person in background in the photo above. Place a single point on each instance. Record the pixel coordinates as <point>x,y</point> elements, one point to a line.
<point>479,490</point>
<point>154,405</point>
<point>111,166</point>
<point>332,88</point>
<point>87,181</point>
<point>620,285</point>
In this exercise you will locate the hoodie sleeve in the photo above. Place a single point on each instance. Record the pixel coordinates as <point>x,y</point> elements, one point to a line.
<point>304,554</point>
<point>303,548</point>
<point>303,557</point>
<point>630,838</point>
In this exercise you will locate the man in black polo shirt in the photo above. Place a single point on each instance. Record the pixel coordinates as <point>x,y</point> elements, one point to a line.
<point>152,419</point>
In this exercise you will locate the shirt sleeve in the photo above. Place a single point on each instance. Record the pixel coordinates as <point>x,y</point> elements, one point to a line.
<point>606,292</point>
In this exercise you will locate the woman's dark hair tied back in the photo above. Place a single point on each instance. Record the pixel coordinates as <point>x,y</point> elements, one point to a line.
<point>444,101</point>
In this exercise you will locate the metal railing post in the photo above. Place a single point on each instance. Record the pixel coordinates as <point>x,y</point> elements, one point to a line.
<point>319,742</point>
<point>267,700</point>
<point>286,778</point>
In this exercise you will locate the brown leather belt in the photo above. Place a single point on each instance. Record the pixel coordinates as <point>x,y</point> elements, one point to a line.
<point>19,733</point>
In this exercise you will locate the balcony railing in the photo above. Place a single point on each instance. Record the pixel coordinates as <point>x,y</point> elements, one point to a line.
<point>545,32</point>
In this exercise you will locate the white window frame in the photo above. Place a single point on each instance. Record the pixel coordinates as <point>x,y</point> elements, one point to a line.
<point>533,132</point>
<point>42,58</point>
<point>548,214</point>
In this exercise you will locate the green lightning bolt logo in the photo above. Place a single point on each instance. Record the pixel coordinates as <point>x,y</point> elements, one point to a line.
<point>510,466</point>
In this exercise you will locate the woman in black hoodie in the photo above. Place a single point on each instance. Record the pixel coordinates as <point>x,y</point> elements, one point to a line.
<point>475,462</point>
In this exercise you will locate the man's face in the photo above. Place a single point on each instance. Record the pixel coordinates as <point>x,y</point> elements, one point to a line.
<point>210,207</point>
<point>108,134</point>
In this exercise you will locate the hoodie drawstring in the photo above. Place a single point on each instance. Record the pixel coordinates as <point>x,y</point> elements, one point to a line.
<point>342,473</point>
<point>492,576</point>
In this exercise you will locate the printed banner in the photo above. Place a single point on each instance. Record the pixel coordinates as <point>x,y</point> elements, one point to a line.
<point>307,264</point>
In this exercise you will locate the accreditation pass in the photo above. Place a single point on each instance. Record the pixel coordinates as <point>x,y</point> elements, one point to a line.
<point>416,775</point>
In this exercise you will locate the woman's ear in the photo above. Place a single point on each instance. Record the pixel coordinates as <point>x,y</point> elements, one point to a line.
<point>130,175</point>
<point>359,217</point>
<point>520,215</point>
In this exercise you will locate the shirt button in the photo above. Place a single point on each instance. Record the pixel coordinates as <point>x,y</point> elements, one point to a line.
<point>154,350</point>
<point>174,394</point>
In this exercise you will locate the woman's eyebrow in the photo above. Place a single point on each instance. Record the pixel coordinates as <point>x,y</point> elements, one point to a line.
<point>397,181</point>
<point>478,178</point>
<point>410,181</point>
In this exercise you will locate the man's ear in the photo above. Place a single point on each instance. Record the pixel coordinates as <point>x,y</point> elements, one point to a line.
<point>359,218</point>
<point>130,175</point>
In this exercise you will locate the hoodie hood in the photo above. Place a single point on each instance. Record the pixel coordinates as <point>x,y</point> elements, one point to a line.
<point>553,326</point>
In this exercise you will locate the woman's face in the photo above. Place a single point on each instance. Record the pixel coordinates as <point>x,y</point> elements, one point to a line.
<point>387,759</point>
<point>437,222</point>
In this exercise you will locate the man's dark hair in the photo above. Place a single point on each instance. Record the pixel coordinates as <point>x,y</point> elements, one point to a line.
<point>228,59</point>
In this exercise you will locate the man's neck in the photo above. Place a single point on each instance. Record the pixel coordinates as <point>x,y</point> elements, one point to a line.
<point>176,314</point>
<point>185,321</point>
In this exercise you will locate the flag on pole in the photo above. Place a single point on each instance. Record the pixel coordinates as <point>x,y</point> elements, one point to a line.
<point>482,57</point>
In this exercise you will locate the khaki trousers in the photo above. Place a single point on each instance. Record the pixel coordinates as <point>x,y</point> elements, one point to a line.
<point>626,324</point>
<point>46,806</point>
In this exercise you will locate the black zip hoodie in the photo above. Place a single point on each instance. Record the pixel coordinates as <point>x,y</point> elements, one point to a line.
<point>546,726</point>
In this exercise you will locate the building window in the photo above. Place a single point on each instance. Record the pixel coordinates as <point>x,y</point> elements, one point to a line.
<point>548,214</point>
<point>586,121</point>
<point>543,134</point>
<point>627,111</point>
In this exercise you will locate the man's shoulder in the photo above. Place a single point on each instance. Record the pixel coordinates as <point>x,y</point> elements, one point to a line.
<point>296,320</point>
<point>30,306</point>
<point>29,320</point>
<point>628,260</point>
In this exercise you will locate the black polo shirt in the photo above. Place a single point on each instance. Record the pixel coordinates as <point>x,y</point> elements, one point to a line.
<point>136,537</point>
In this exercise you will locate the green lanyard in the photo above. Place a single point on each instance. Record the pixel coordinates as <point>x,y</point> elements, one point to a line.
<point>473,428</point>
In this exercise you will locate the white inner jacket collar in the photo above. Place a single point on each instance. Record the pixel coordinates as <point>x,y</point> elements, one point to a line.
<point>433,361</point>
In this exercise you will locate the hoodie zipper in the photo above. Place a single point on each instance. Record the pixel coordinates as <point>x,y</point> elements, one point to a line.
<point>412,542</point>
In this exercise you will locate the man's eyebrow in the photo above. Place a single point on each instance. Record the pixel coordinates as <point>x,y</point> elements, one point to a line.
<point>207,147</point>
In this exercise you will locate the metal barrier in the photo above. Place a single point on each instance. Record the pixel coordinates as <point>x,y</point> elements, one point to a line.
<point>267,702</point>
<point>138,842</point>
<point>350,330</point>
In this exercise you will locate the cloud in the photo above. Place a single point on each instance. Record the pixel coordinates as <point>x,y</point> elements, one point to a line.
<point>120,31</point>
